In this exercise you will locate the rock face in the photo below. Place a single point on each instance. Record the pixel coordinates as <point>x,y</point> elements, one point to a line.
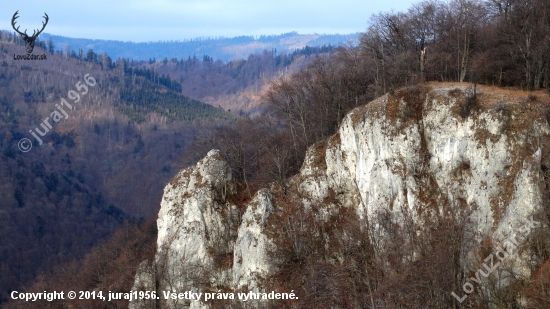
<point>416,152</point>
<point>250,262</point>
<point>195,228</point>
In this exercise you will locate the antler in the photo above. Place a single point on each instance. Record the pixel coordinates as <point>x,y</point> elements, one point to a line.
<point>43,26</point>
<point>13,23</point>
<point>34,33</point>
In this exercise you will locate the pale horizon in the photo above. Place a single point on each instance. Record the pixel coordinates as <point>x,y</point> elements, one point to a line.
<point>166,20</point>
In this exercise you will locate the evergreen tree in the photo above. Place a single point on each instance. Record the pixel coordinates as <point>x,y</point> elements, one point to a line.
<point>50,46</point>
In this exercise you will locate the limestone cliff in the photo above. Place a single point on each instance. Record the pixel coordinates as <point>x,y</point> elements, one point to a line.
<point>414,154</point>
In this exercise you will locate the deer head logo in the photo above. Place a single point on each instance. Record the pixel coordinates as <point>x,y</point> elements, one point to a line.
<point>29,40</point>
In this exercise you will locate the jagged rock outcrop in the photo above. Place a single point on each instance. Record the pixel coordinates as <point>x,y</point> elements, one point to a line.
<point>414,153</point>
<point>196,228</point>
<point>250,262</point>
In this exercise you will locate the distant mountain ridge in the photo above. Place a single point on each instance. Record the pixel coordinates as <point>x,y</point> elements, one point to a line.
<point>219,48</point>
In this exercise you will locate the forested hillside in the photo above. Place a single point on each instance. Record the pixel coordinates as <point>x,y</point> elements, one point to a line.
<point>235,86</point>
<point>103,163</point>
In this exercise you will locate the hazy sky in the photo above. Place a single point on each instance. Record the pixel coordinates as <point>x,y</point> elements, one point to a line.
<point>142,21</point>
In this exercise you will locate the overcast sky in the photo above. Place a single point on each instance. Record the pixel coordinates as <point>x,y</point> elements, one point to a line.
<point>143,21</point>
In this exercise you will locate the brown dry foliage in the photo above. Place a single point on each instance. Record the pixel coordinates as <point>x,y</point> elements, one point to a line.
<point>324,261</point>
<point>108,267</point>
<point>407,103</point>
<point>469,103</point>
